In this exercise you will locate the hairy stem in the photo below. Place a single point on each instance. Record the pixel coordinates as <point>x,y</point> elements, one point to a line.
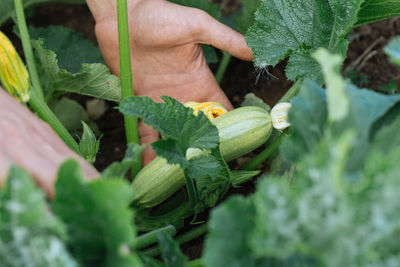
<point>131,124</point>
<point>151,237</point>
<point>264,155</point>
<point>184,238</point>
<point>37,100</point>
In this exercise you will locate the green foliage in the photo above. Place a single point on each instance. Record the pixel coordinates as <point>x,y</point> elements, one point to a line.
<point>393,50</point>
<point>336,202</point>
<point>183,132</point>
<point>88,144</point>
<point>119,169</point>
<point>29,234</point>
<point>296,29</point>
<point>71,114</point>
<point>171,254</point>
<point>245,18</point>
<point>7,6</point>
<point>82,73</point>
<point>251,99</point>
<point>375,10</point>
<point>97,217</point>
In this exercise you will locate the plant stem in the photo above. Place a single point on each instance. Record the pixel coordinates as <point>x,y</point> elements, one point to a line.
<point>293,90</point>
<point>264,155</point>
<point>191,189</point>
<point>26,44</point>
<point>184,238</point>
<point>37,100</point>
<point>226,57</point>
<point>44,112</point>
<point>196,263</point>
<point>131,124</point>
<point>151,237</point>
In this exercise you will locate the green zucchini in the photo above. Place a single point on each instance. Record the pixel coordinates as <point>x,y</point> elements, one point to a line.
<point>240,130</point>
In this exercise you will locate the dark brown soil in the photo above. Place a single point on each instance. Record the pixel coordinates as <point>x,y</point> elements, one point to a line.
<point>239,79</point>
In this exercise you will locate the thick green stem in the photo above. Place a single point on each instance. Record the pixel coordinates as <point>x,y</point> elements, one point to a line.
<point>291,92</point>
<point>226,57</point>
<point>44,112</point>
<point>196,263</point>
<point>37,100</point>
<point>131,124</point>
<point>151,237</point>
<point>184,238</point>
<point>191,189</point>
<point>28,52</point>
<point>264,155</point>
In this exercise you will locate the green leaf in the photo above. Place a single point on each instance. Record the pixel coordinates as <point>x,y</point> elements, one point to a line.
<point>29,234</point>
<point>7,6</point>
<point>65,73</point>
<point>393,50</point>
<point>119,169</point>
<point>251,99</point>
<point>246,16</point>
<point>66,42</point>
<point>71,114</point>
<point>375,10</point>
<point>97,216</point>
<point>349,107</point>
<point>171,254</point>
<point>296,29</point>
<point>308,116</point>
<point>205,5</point>
<point>212,186</point>
<point>230,225</point>
<point>184,133</point>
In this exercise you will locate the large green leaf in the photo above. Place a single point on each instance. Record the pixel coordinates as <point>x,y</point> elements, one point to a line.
<point>29,234</point>
<point>317,211</point>
<point>97,216</point>
<point>296,28</point>
<point>7,6</point>
<point>65,73</point>
<point>374,10</point>
<point>349,107</point>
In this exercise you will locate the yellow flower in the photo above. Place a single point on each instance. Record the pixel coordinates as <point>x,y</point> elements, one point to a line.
<point>210,109</point>
<point>13,74</point>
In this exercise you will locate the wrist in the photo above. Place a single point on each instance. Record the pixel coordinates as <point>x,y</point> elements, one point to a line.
<point>102,9</point>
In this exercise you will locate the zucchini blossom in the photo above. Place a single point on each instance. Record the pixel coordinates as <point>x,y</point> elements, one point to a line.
<point>211,109</point>
<point>13,74</point>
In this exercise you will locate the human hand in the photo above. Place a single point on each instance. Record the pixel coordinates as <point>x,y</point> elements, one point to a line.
<point>30,143</point>
<point>167,58</point>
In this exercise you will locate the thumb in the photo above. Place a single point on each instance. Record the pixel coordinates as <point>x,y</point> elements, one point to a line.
<point>147,136</point>
<point>219,35</point>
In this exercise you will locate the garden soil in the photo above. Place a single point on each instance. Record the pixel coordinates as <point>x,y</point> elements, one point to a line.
<point>365,55</point>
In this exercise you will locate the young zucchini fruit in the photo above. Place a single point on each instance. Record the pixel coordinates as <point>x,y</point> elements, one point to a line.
<point>240,130</point>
